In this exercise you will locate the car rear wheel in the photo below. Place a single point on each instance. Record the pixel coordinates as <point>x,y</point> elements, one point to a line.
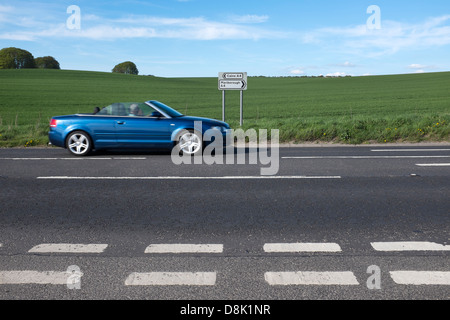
<point>190,142</point>
<point>79,143</point>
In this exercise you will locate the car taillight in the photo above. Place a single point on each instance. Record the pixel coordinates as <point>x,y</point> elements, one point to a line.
<point>53,123</point>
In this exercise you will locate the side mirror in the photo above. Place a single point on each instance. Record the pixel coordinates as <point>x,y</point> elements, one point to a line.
<point>156,114</point>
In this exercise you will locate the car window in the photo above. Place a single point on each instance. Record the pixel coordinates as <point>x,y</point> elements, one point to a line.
<point>166,109</point>
<point>115,109</point>
<point>124,109</point>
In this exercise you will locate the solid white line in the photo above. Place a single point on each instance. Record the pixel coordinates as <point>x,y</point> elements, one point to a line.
<point>310,278</point>
<point>33,277</point>
<point>365,157</point>
<point>408,150</point>
<point>36,159</point>
<point>433,164</point>
<point>409,246</point>
<point>421,277</point>
<point>68,248</point>
<point>302,247</point>
<point>189,178</point>
<point>171,279</point>
<point>184,248</point>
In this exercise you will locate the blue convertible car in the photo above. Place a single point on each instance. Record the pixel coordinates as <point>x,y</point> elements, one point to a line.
<point>145,125</point>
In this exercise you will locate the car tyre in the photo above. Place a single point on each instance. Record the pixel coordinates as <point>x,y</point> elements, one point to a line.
<point>79,143</point>
<point>189,142</point>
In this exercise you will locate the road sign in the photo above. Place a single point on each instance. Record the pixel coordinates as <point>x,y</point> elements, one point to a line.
<point>232,85</point>
<point>233,81</point>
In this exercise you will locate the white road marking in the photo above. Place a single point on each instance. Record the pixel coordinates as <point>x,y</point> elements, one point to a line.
<point>365,157</point>
<point>409,246</point>
<point>302,247</point>
<point>408,150</point>
<point>433,164</point>
<point>184,248</point>
<point>421,277</point>
<point>189,178</point>
<point>103,158</point>
<point>171,279</point>
<point>68,248</point>
<point>33,277</point>
<point>310,278</point>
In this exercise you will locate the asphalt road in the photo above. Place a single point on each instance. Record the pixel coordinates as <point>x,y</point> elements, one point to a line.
<point>334,223</point>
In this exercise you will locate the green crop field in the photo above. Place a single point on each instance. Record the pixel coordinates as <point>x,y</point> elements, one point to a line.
<point>394,108</point>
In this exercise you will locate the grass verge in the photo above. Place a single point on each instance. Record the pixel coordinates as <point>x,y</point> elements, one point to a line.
<point>382,109</point>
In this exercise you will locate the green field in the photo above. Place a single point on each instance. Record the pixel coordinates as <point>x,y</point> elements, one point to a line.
<point>395,108</point>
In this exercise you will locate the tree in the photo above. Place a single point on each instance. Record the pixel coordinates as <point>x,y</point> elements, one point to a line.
<point>15,58</point>
<point>126,67</point>
<point>46,63</point>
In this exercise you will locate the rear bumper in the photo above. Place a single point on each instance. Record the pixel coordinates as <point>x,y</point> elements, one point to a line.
<point>56,138</point>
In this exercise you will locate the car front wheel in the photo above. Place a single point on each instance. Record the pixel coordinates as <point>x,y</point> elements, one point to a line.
<point>190,142</point>
<point>79,143</point>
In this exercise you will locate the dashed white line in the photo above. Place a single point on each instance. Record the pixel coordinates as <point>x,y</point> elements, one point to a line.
<point>184,248</point>
<point>188,178</point>
<point>421,277</point>
<point>33,277</point>
<point>171,279</point>
<point>68,248</point>
<point>310,278</point>
<point>409,246</point>
<point>433,164</point>
<point>301,247</point>
<point>409,150</point>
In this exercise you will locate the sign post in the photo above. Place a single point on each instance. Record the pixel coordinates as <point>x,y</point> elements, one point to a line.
<point>233,81</point>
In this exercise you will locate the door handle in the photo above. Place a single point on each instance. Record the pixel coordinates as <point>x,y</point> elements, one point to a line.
<point>120,122</point>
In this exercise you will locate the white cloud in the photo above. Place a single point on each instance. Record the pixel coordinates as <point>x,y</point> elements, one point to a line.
<point>16,36</point>
<point>391,38</point>
<point>249,18</point>
<point>195,28</point>
<point>421,66</point>
<point>296,71</point>
<point>416,66</point>
<point>5,8</point>
<point>346,64</point>
<point>336,74</point>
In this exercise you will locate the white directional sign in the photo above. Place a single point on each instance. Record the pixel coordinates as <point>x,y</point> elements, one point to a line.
<point>233,81</point>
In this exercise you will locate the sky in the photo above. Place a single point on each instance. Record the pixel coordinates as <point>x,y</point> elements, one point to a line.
<point>200,38</point>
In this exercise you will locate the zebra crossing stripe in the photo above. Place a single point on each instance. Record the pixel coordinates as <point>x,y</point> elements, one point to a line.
<point>184,248</point>
<point>33,277</point>
<point>421,277</point>
<point>301,247</point>
<point>409,246</point>
<point>171,279</point>
<point>310,278</point>
<point>68,248</point>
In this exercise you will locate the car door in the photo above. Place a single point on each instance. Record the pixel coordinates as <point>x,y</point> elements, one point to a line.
<point>102,131</point>
<point>142,132</point>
